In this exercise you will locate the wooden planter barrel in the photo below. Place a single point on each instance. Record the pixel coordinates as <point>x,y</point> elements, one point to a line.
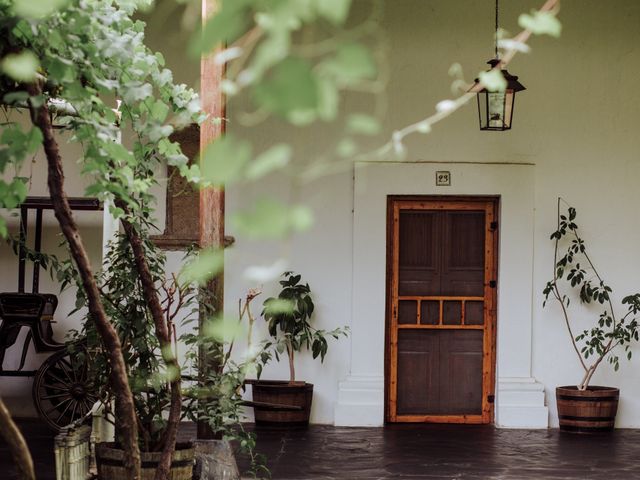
<point>109,460</point>
<point>587,411</point>
<point>283,402</point>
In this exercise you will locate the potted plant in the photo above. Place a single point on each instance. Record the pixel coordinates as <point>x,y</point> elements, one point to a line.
<point>67,74</point>
<point>584,407</point>
<point>217,398</point>
<point>153,373</point>
<point>289,324</point>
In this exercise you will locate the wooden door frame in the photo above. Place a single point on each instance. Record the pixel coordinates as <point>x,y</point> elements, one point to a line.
<point>450,202</point>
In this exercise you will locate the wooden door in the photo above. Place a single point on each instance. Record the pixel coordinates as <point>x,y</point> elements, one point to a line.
<point>442,302</point>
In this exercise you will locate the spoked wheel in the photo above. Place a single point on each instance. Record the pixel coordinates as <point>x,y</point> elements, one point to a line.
<point>62,389</point>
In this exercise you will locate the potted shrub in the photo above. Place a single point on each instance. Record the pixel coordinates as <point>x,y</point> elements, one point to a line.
<point>154,381</point>
<point>289,323</point>
<point>585,407</point>
<point>217,399</point>
<point>67,73</point>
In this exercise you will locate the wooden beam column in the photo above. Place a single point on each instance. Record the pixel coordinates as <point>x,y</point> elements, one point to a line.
<point>211,219</point>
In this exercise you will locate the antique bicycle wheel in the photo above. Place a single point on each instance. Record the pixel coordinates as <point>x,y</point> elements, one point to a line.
<point>62,390</point>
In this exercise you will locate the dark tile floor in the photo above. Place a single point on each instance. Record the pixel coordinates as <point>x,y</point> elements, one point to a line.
<point>449,452</point>
<point>40,441</point>
<point>412,452</point>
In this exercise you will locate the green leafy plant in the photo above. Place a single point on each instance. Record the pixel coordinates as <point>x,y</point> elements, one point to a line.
<point>83,66</point>
<point>289,322</point>
<point>217,399</point>
<point>574,267</point>
<point>127,307</point>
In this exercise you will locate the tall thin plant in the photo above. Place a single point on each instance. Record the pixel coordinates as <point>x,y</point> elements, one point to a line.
<point>573,266</point>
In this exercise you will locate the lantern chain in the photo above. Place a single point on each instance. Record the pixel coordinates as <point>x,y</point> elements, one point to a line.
<point>496,37</point>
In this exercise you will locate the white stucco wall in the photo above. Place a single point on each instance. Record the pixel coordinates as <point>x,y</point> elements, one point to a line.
<point>574,125</point>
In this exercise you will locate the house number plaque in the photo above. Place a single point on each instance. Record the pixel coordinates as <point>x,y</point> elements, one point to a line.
<point>443,179</point>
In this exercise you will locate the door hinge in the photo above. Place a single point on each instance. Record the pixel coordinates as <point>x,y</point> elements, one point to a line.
<point>494,226</point>
<point>491,398</point>
<point>493,283</point>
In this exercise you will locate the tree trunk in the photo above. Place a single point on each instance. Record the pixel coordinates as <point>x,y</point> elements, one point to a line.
<point>164,337</point>
<point>17,445</point>
<point>125,411</point>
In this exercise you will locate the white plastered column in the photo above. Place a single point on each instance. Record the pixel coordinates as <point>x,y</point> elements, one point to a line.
<point>519,397</point>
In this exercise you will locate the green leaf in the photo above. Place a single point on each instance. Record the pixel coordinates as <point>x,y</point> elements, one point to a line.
<point>346,148</point>
<point>15,97</point>
<point>336,11</point>
<point>272,159</point>
<point>205,266</point>
<point>22,66</point>
<point>272,219</point>
<point>328,98</point>
<point>118,152</point>
<point>493,80</point>
<point>224,160</point>
<point>541,23</point>
<point>289,89</point>
<point>37,8</point>
<point>231,21</point>
<point>362,124</point>
<point>271,51</point>
<point>278,306</point>
<point>159,111</point>
<point>223,329</point>
<point>34,140</point>
<point>351,64</point>
<point>301,218</point>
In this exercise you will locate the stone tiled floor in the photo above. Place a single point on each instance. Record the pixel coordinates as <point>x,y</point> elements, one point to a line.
<point>411,452</point>
<point>449,452</point>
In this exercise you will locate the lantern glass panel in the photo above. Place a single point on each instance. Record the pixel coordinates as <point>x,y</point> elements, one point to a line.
<point>483,108</point>
<point>495,109</point>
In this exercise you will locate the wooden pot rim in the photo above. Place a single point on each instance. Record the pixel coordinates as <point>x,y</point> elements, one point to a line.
<point>591,391</point>
<point>114,447</point>
<point>281,384</point>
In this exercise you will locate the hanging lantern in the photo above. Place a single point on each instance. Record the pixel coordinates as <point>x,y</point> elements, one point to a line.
<point>495,109</point>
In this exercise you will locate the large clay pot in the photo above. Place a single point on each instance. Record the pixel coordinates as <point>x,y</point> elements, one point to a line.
<point>587,411</point>
<point>109,460</point>
<point>272,393</point>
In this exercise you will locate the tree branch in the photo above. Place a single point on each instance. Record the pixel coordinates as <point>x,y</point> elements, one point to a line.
<point>164,337</point>
<point>118,374</point>
<point>557,295</point>
<point>17,446</point>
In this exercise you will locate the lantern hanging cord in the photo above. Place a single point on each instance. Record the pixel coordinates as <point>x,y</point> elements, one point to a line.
<point>496,37</point>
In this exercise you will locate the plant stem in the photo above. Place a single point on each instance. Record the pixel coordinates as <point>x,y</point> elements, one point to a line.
<point>292,368</point>
<point>125,409</point>
<point>585,381</point>
<point>164,337</point>
<point>556,294</point>
<point>17,445</point>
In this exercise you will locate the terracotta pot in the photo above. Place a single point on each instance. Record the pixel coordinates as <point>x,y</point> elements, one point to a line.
<point>109,460</point>
<point>587,411</point>
<point>284,403</point>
